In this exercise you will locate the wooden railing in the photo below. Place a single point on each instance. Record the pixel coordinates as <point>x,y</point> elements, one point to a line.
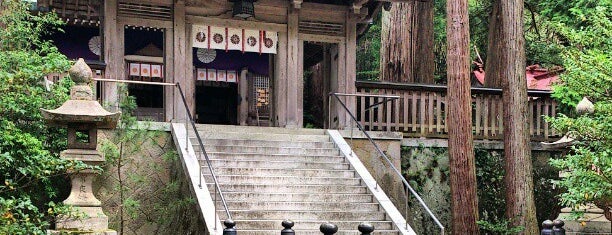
<point>421,111</point>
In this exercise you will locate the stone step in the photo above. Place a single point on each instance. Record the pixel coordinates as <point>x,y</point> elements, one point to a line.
<point>306,215</point>
<point>313,232</point>
<point>258,129</point>
<point>266,143</point>
<point>297,197</point>
<point>305,206</point>
<point>268,188</point>
<point>285,180</point>
<point>289,172</point>
<point>275,157</point>
<point>345,225</point>
<point>264,136</point>
<point>236,149</point>
<point>276,164</point>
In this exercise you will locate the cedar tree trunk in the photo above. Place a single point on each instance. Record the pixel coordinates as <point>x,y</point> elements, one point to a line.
<point>509,64</point>
<point>492,70</point>
<point>406,50</point>
<point>464,201</point>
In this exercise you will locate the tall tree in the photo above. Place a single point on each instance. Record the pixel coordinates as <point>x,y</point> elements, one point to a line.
<point>406,50</point>
<point>464,201</point>
<point>509,63</point>
<point>493,78</point>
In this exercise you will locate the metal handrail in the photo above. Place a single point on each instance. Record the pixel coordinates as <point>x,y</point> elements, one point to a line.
<point>200,143</point>
<point>397,172</point>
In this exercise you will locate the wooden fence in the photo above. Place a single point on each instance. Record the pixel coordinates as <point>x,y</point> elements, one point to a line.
<point>421,111</point>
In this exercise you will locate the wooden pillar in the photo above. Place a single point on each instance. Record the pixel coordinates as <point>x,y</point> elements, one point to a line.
<point>243,108</point>
<point>350,70</point>
<point>341,86</point>
<point>169,92</point>
<point>190,80</point>
<point>280,81</point>
<point>111,42</point>
<point>300,85</point>
<point>293,79</point>
<point>179,62</point>
<point>334,76</point>
<point>326,82</point>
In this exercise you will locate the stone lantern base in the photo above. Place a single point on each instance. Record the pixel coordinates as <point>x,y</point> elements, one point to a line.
<point>593,222</point>
<point>87,217</point>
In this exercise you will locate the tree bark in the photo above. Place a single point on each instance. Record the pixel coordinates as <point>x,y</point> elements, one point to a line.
<point>464,200</point>
<point>509,65</point>
<point>493,78</point>
<point>406,51</point>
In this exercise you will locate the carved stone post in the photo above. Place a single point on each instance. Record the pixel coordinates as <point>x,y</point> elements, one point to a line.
<point>82,116</point>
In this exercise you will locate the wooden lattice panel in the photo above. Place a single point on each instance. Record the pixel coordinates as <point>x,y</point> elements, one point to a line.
<point>321,28</point>
<point>146,11</point>
<point>76,11</point>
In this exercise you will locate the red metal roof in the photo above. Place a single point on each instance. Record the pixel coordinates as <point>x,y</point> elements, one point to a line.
<point>538,78</point>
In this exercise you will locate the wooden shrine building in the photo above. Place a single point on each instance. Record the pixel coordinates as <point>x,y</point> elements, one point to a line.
<point>239,61</point>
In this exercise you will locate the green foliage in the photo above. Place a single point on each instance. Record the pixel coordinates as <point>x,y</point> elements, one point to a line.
<point>585,30</point>
<point>502,227</point>
<point>29,150</point>
<point>143,196</point>
<point>491,189</point>
<point>368,52</point>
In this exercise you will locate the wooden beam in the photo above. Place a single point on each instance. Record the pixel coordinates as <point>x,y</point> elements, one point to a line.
<point>320,38</point>
<point>145,22</point>
<point>148,59</point>
<point>231,23</point>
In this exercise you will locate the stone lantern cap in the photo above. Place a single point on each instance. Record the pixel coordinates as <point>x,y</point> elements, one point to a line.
<point>81,107</point>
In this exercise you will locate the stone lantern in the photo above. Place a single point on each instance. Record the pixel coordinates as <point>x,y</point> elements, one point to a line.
<point>82,116</point>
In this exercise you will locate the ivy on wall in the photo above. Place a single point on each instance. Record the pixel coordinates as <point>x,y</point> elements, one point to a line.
<point>426,169</point>
<point>142,185</point>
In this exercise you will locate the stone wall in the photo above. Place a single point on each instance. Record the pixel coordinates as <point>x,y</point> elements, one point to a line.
<point>390,144</point>
<point>145,190</point>
<point>427,169</point>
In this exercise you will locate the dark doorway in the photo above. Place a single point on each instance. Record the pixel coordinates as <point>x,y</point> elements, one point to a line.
<point>217,103</point>
<point>317,68</point>
<point>144,52</point>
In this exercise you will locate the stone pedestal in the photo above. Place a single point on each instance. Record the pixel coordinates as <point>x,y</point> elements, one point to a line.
<point>87,216</point>
<point>593,221</point>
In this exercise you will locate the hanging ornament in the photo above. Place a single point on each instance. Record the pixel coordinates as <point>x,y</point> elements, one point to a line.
<point>95,45</point>
<point>206,55</point>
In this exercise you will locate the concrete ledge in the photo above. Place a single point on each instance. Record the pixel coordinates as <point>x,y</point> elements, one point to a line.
<point>154,126</point>
<point>371,183</point>
<point>377,135</point>
<point>481,144</point>
<point>191,165</point>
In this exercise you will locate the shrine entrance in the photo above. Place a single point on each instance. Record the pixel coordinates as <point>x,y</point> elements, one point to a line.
<point>231,68</point>
<point>232,87</point>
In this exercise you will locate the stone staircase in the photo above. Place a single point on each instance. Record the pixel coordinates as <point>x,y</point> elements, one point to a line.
<point>269,174</point>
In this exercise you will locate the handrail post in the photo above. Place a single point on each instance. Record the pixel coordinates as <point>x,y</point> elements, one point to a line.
<point>186,128</point>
